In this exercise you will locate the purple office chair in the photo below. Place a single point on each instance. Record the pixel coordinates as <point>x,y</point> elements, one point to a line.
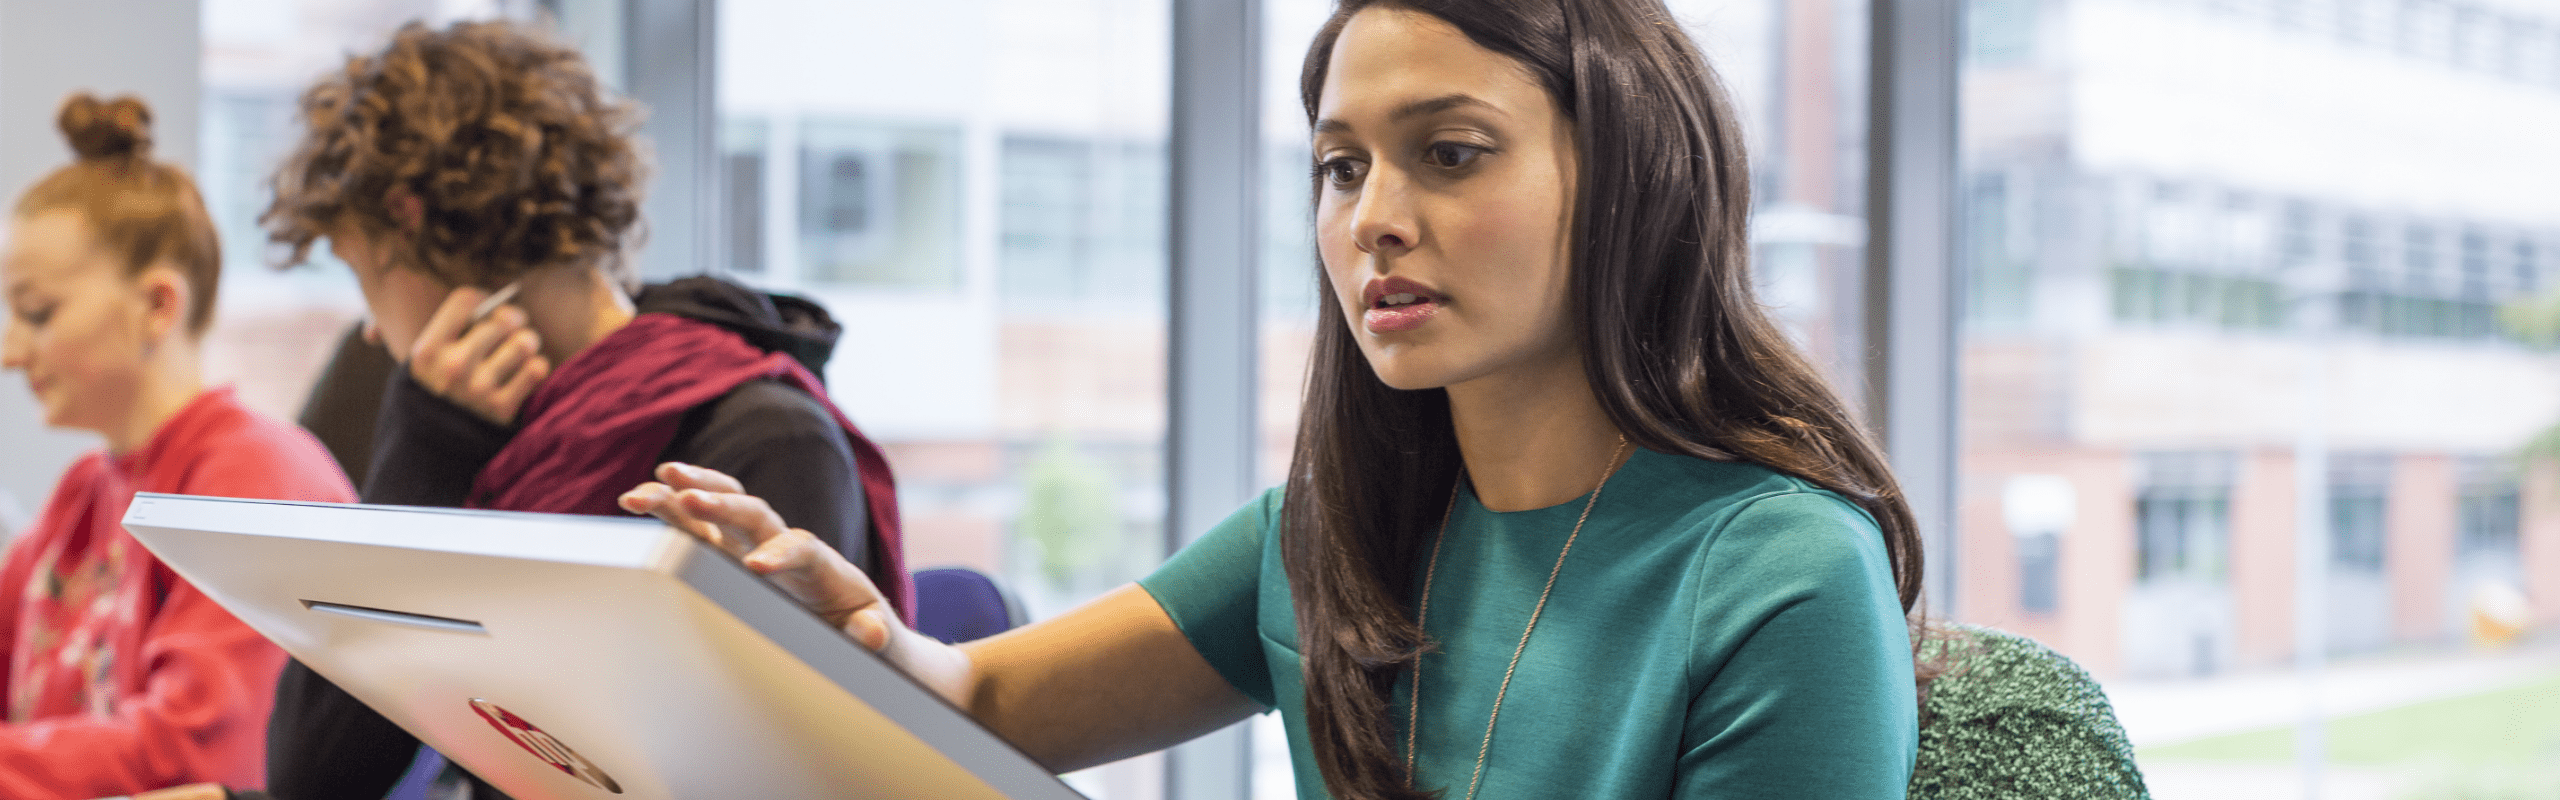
<point>959,604</point>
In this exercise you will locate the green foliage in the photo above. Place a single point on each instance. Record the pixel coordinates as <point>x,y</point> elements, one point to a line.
<point>2534,321</point>
<point>1069,511</point>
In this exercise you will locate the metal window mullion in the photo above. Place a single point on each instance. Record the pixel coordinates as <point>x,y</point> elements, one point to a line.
<point>1910,287</point>
<point>670,57</point>
<point>1211,324</point>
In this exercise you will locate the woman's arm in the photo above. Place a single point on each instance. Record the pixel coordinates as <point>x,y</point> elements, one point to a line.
<point>1110,679</point>
<point>205,680</point>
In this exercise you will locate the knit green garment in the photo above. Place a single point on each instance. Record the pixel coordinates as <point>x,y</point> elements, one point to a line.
<point>2013,719</point>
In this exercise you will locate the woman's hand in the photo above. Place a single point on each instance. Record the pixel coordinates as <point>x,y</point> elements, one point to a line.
<point>714,508</point>
<point>1106,681</point>
<point>192,791</point>
<point>488,365</point>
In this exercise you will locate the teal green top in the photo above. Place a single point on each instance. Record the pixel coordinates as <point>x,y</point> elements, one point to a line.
<point>1719,630</point>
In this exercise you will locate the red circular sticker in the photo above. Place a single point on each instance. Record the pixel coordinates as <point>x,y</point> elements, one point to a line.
<point>542,745</point>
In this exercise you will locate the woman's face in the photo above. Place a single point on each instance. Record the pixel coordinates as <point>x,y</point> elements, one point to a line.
<point>1444,196</point>
<point>79,328</point>
<point>397,300</point>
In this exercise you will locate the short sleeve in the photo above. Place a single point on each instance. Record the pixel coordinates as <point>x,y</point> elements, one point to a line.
<point>1803,660</point>
<point>1210,589</point>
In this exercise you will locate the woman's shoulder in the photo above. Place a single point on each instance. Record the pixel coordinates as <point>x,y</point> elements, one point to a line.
<point>1748,513</point>
<point>1714,494</point>
<point>766,410</point>
<point>233,450</point>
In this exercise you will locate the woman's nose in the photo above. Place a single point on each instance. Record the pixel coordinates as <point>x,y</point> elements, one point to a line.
<point>1382,223</point>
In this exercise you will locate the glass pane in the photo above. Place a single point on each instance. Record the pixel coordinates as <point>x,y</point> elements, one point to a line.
<point>1796,72</point>
<point>977,192</point>
<point>2203,241</point>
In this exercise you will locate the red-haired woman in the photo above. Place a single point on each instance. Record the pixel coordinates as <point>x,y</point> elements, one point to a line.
<point>122,676</point>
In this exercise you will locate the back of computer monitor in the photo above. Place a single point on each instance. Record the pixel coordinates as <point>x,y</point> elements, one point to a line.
<point>567,657</point>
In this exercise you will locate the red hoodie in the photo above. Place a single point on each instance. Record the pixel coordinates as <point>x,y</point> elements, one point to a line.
<point>123,677</point>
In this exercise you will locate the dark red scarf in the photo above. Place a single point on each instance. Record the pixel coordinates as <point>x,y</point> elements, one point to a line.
<point>599,423</point>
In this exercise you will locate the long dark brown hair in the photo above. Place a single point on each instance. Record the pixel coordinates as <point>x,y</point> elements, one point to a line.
<point>1682,356</point>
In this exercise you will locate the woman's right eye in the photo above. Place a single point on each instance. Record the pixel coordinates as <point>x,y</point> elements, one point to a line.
<point>1339,171</point>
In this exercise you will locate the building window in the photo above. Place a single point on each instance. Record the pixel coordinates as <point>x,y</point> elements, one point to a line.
<point>2528,273</point>
<point>2196,266</point>
<point>2182,517</point>
<point>2300,242</point>
<point>2000,31</point>
<point>2038,508</point>
<point>1082,221</point>
<point>880,205</point>
<point>2000,253</point>
<point>742,162</point>
<point>2490,509</point>
<point>2359,504</point>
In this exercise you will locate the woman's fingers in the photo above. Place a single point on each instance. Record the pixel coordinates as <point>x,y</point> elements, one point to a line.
<point>451,317</point>
<point>745,521</point>
<point>735,522</point>
<point>493,372</point>
<point>687,476</point>
<point>658,500</point>
<point>478,364</point>
<point>823,580</point>
<point>746,527</point>
<point>871,627</point>
<point>508,399</point>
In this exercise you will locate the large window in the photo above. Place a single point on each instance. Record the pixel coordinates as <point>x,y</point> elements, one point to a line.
<point>2230,275</point>
<point>977,191</point>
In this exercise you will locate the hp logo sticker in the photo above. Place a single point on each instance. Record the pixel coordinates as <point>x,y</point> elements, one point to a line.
<point>543,746</point>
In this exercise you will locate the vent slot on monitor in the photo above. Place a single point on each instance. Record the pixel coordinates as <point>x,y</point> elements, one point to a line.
<point>427,621</point>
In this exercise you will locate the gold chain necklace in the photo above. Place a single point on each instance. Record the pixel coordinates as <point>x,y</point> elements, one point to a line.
<point>1413,706</point>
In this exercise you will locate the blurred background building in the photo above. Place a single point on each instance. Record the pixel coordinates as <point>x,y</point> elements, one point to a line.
<point>2203,248</point>
<point>2177,211</point>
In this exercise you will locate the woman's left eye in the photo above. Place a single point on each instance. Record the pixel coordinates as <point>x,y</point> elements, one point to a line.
<point>1451,155</point>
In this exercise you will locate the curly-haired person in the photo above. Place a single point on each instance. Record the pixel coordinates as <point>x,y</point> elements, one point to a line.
<point>484,158</point>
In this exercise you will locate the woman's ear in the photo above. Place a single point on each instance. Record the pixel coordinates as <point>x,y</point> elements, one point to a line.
<point>407,211</point>
<point>166,299</point>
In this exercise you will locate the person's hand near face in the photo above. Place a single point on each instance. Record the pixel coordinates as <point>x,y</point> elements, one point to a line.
<point>488,365</point>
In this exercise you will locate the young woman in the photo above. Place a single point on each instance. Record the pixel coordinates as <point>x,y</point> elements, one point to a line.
<point>484,158</point>
<point>121,676</point>
<point>1567,517</point>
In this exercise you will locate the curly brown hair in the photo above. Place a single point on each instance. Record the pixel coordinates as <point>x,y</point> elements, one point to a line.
<point>140,210</point>
<point>521,159</point>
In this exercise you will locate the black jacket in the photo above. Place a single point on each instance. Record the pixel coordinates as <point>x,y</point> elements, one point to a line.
<point>783,445</point>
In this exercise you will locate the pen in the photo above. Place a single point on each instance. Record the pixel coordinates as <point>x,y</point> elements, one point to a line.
<point>490,305</point>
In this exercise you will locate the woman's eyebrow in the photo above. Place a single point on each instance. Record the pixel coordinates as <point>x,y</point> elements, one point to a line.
<point>1417,108</point>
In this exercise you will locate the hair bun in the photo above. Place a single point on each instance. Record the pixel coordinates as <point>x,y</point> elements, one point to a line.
<point>106,129</point>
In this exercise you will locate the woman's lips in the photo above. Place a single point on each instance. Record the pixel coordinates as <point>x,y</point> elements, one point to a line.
<point>1399,318</point>
<point>1396,304</point>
